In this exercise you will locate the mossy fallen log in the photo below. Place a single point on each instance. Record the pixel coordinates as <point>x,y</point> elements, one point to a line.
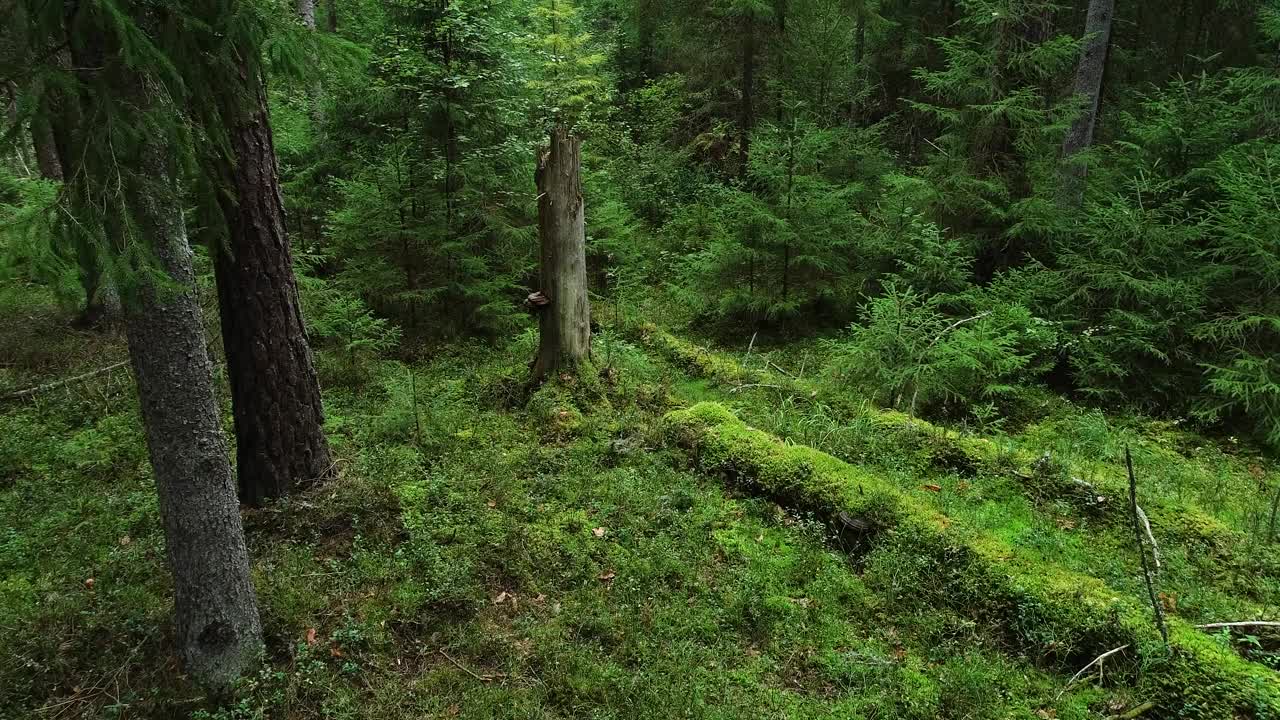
<point>1044,480</point>
<point>1196,677</point>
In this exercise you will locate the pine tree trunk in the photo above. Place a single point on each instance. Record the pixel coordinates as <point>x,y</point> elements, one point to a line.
<point>279,418</point>
<point>332,20</point>
<point>218,631</point>
<point>1089,73</point>
<point>564,325</point>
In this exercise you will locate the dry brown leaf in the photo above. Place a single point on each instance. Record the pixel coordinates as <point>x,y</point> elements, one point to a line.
<point>607,575</point>
<point>599,532</point>
<point>934,488</point>
<point>311,637</point>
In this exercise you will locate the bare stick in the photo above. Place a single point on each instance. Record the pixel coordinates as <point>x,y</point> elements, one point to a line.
<point>1135,712</point>
<point>750,347</point>
<point>753,385</point>
<point>1246,623</point>
<point>1146,525</point>
<point>1142,550</point>
<point>775,367</point>
<point>1096,661</point>
<point>50,386</point>
<point>462,667</point>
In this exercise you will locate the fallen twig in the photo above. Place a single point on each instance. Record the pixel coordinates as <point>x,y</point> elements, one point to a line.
<point>1244,623</point>
<point>754,385</point>
<point>775,367</point>
<point>464,668</point>
<point>1135,712</point>
<point>29,392</point>
<point>1096,661</point>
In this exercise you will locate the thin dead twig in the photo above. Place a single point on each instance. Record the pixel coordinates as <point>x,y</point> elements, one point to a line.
<point>29,392</point>
<point>1096,661</point>
<point>1240,624</point>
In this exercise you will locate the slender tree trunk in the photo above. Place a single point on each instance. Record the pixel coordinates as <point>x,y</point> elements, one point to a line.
<point>780,63</point>
<point>1088,87</point>
<point>217,628</point>
<point>315,91</point>
<point>564,324</point>
<point>218,631</point>
<point>859,53</point>
<point>46,150</point>
<point>307,11</point>
<point>331,22</point>
<point>860,37</point>
<point>747,112</point>
<point>275,394</point>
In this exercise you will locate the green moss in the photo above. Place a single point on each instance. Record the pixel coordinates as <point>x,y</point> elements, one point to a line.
<point>1054,613</point>
<point>555,411</point>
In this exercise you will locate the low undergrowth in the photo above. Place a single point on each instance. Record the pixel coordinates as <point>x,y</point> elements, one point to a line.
<point>473,560</point>
<point>1055,490</point>
<point>922,557</point>
<point>489,552</point>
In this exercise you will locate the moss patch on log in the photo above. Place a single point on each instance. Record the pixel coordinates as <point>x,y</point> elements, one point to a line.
<point>1062,617</point>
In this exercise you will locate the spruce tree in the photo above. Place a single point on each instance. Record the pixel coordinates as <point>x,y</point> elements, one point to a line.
<point>124,200</point>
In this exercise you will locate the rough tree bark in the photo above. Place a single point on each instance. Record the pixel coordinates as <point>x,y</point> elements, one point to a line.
<point>218,631</point>
<point>275,393</point>
<point>564,324</point>
<point>1089,73</point>
<point>307,11</point>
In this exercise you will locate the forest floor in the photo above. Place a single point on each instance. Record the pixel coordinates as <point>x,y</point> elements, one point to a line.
<point>585,553</point>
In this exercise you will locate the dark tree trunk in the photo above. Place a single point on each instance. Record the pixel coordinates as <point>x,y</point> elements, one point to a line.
<point>279,419</point>
<point>564,324</point>
<point>1088,88</point>
<point>780,63</point>
<point>46,150</point>
<point>331,22</point>
<point>747,111</point>
<point>860,38</point>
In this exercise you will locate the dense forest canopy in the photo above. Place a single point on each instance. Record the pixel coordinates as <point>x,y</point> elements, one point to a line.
<point>966,211</point>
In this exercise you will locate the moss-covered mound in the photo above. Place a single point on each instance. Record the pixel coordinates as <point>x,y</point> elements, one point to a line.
<point>984,577</point>
<point>1102,497</point>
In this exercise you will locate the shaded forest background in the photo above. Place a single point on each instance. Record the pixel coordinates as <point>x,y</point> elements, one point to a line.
<point>793,167</point>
